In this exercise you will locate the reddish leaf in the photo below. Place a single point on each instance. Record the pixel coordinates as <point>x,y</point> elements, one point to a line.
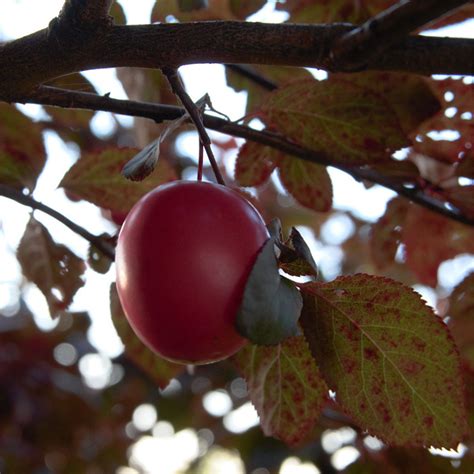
<point>22,154</point>
<point>466,166</point>
<point>386,233</point>
<point>55,270</point>
<point>96,178</point>
<point>117,13</point>
<point>159,369</point>
<point>337,117</point>
<point>244,8</point>
<point>466,12</point>
<point>388,357</point>
<point>457,96</point>
<point>309,183</point>
<point>285,387</point>
<point>461,310</point>
<point>255,163</point>
<point>430,239</point>
<point>462,197</point>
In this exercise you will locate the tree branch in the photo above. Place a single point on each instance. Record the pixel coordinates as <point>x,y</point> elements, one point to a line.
<point>33,60</point>
<point>84,100</point>
<point>21,198</point>
<point>87,14</point>
<point>356,48</point>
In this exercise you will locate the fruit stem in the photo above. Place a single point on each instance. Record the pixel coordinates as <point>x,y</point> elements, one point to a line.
<point>195,116</point>
<point>201,161</point>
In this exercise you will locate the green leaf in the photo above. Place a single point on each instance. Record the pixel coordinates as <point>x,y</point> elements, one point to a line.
<point>55,270</point>
<point>348,123</point>
<point>285,387</point>
<point>386,233</point>
<point>159,369</point>
<point>22,154</point>
<point>388,357</point>
<point>271,304</point>
<point>255,163</point>
<point>96,178</point>
<point>408,95</point>
<point>309,183</point>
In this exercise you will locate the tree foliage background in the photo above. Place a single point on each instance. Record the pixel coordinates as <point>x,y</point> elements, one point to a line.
<point>375,361</point>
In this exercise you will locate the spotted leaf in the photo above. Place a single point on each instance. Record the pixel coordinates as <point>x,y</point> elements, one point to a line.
<point>285,387</point>
<point>255,163</point>
<point>309,183</point>
<point>96,178</point>
<point>389,358</point>
<point>339,118</point>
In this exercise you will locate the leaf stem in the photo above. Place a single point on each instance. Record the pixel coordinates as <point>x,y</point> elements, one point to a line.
<point>195,115</point>
<point>26,200</point>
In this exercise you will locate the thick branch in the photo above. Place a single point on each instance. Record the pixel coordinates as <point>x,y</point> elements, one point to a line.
<point>83,100</point>
<point>21,198</point>
<point>356,48</point>
<point>85,13</point>
<point>37,58</point>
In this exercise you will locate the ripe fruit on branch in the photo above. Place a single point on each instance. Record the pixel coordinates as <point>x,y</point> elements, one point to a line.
<point>183,257</point>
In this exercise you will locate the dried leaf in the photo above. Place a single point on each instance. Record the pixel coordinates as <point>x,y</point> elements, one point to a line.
<point>96,178</point>
<point>22,154</point>
<point>388,357</point>
<point>285,387</point>
<point>255,163</point>
<point>386,233</point>
<point>159,369</point>
<point>55,270</point>
<point>295,258</point>
<point>349,123</point>
<point>309,183</point>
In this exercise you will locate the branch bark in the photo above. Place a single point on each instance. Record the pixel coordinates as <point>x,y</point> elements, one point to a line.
<point>357,47</point>
<point>21,198</point>
<point>84,100</point>
<point>85,13</point>
<point>33,60</point>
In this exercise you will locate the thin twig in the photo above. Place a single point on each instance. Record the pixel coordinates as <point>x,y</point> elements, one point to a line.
<point>250,73</point>
<point>158,113</point>
<point>195,115</point>
<point>21,198</point>
<point>356,48</point>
